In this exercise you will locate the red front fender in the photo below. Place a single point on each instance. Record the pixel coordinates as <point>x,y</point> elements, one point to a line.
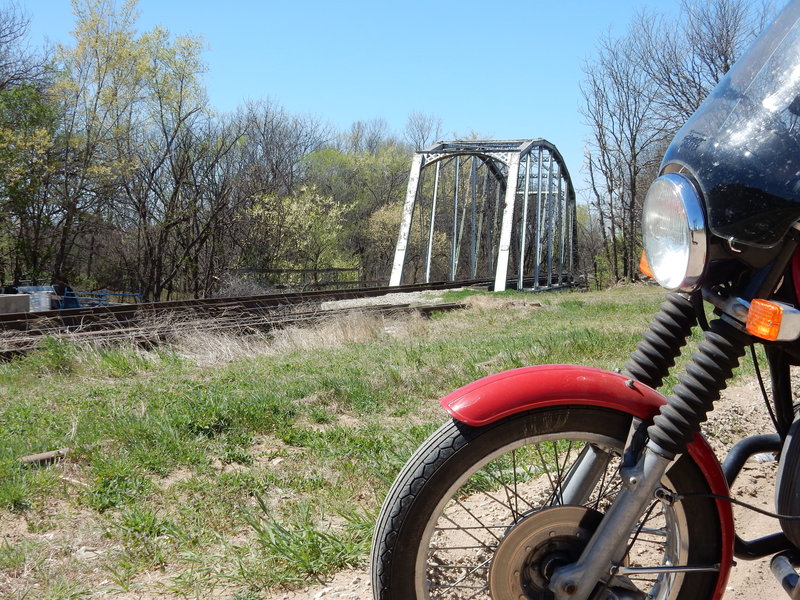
<point>497,396</point>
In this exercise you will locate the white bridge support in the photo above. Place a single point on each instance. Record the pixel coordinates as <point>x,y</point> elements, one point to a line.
<point>405,220</point>
<point>455,228</point>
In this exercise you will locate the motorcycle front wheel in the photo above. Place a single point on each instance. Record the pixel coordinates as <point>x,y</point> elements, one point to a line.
<point>493,511</point>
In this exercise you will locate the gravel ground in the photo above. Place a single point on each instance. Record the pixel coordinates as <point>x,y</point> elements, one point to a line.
<point>400,298</point>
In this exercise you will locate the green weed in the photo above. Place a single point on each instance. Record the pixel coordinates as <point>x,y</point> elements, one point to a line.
<point>118,481</point>
<point>459,295</point>
<point>121,362</point>
<point>12,556</point>
<point>572,304</point>
<point>53,356</point>
<point>248,595</point>
<point>121,572</point>
<point>143,522</point>
<point>321,414</point>
<point>301,547</point>
<point>235,454</point>
<point>15,492</point>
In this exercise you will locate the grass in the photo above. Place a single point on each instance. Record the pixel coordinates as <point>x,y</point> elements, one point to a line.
<point>262,470</point>
<point>303,546</point>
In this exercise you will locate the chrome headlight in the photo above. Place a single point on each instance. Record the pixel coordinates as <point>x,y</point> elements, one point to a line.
<point>674,232</point>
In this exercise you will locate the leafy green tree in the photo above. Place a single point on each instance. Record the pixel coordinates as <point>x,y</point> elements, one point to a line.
<point>26,127</point>
<point>27,124</point>
<point>299,231</point>
<point>100,80</point>
<point>363,183</point>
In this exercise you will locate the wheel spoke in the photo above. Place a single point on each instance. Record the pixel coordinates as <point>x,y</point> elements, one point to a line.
<point>562,471</point>
<point>514,514</point>
<point>470,573</point>
<point>546,470</point>
<point>516,492</point>
<point>480,523</point>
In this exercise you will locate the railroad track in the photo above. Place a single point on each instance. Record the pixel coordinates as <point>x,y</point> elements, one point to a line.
<point>83,318</point>
<point>156,321</point>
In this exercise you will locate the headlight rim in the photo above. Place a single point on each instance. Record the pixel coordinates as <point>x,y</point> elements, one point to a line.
<point>690,197</point>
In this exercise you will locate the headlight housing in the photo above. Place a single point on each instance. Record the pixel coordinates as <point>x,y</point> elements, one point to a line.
<point>674,232</point>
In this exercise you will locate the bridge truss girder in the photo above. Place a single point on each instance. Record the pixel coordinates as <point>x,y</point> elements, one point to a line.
<point>531,240</point>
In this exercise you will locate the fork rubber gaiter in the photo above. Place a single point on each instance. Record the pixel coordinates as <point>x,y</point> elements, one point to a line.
<point>668,332</point>
<point>699,387</point>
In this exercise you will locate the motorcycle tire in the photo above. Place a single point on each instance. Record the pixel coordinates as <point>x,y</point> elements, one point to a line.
<point>476,513</point>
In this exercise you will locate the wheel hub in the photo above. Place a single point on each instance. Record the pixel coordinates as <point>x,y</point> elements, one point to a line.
<point>534,548</point>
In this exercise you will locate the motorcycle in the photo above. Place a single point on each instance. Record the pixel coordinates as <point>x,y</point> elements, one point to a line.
<point>571,482</point>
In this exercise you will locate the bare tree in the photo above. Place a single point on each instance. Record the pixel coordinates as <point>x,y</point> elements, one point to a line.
<point>687,61</point>
<point>422,130</point>
<point>19,63</point>
<point>591,243</point>
<point>619,99</point>
<point>367,136</point>
<point>275,143</point>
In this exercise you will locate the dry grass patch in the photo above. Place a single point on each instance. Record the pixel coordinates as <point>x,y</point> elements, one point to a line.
<point>489,302</point>
<point>223,347</point>
<point>353,328</point>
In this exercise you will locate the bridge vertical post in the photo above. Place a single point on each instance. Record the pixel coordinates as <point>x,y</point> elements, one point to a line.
<point>523,228</point>
<point>473,231</point>
<point>433,222</point>
<point>501,272</point>
<point>454,246</point>
<point>485,240</point>
<point>550,215</point>
<point>572,229</point>
<point>479,235</point>
<point>493,227</point>
<point>537,270</point>
<point>405,222</point>
<point>562,219</point>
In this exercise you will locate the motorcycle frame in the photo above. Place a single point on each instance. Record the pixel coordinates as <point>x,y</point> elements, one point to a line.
<point>530,388</point>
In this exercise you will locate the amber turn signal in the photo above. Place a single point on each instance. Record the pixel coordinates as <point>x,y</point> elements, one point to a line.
<point>644,267</point>
<point>764,319</point>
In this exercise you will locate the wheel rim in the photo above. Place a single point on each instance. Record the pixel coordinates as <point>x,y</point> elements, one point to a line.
<point>515,483</point>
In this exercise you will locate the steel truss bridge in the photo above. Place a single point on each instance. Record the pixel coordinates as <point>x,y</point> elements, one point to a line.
<point>488,208</point>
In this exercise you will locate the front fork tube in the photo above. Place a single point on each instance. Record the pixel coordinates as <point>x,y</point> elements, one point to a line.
<point>608,545</point>
<point>584,475</point>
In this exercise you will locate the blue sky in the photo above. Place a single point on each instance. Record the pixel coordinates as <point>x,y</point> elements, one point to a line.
<point>503,70</point>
